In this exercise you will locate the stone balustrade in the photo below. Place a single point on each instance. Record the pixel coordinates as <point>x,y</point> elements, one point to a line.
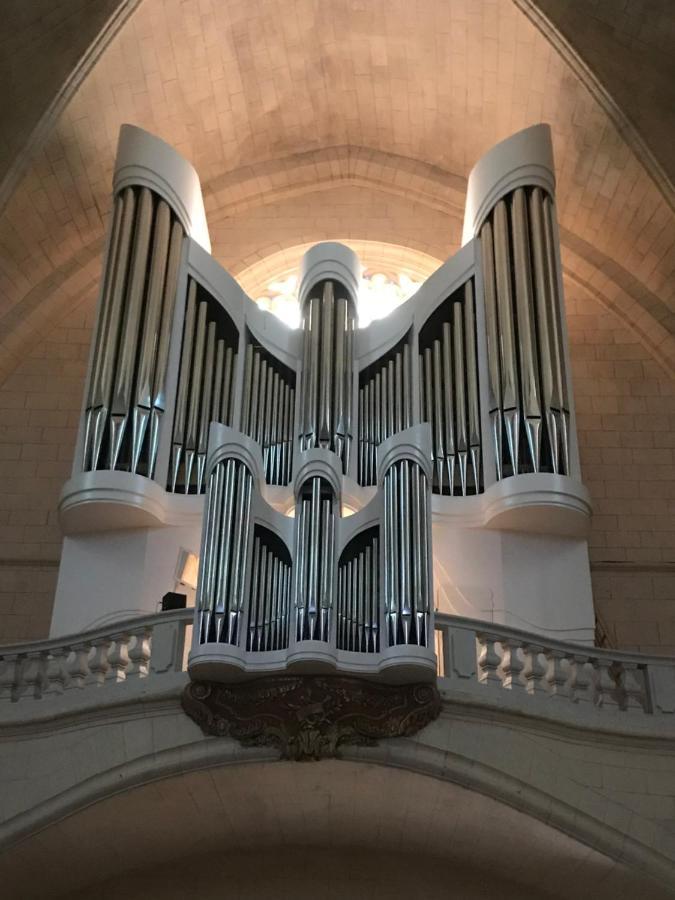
<point>493,663</point>
<point>495,659</point>
<point>139,648</point>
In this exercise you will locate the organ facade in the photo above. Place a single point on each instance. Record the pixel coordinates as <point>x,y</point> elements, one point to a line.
<point>338,484</point>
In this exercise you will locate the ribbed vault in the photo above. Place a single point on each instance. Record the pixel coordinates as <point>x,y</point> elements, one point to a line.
<point>272,102</point>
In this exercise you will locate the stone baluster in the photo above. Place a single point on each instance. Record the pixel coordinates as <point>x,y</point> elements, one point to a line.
<point>7,676</point>
<point>78,668</point>
<point>512,665</point>
<point>631,682</point>
<point>489,660</point>
<point>118,658</point>
<point>56,676</point>
<point>605,684</point>
<point>534,672</point>
<point>32,674</point>
<point>98,664</point>
<point>556,674</point>
<point>581,682</point>
<point>139,654</point>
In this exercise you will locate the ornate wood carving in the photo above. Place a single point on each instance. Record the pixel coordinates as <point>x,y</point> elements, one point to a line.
<point>310,716</point>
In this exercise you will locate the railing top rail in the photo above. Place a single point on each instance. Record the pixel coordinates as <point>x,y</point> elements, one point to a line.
<point>130,625</point>
<point>479,626</point>
<point>499,631</point>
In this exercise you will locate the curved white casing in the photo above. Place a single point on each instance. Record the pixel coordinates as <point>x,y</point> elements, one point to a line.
<point>329,260</point>
<point>523,158</point>
<point>147,161</point>
<point>472,534</point>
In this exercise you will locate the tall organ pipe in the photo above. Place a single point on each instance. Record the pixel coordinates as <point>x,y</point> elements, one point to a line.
<point>314,560</point>
<point>220,591</point>
<point>527,381</point>
<point>328,324</point>
<point>126,397</point>
<point>406,522</point>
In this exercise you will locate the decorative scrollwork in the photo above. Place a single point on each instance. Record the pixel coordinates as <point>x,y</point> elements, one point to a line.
<point>310,716</point>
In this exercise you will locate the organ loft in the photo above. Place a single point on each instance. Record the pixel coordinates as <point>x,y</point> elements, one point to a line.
<point>337,483</point>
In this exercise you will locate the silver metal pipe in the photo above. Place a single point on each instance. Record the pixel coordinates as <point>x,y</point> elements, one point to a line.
<point>274,603</point>
<point>243,549</point>
<point>255,593</point>
<point>495,402</point>
<point>416,523</point>
<point>560,393</point>
<point>102,379</point>
<point>509,376</point>
<point>391,402</point>
<point>263,401</point>
<point>378,413</point>
<point>407,384</point>
<point>126,361</point>
<point>437,420</point>
<point>289,434</point>
<point>426,588</point>
<point>384,403</point>
<point>428,411</point>
<point>227,526</point>
<point>302,566</point>
<point>205,595</point>
<point>255,396</point>
<point>217,395</point>
<point>205,405</point>
<point>327,363</point>
<point>316,559</point>
<point>339,610</point>
<point>526,337</point>
<point>375,596</point>
<point>260,614</point>
<point>448,400</point>
<point>278,412</point>
<point>180,416</point>
<point>349,375</point>
<point>353,597</point>
<point>247,389</point>
<point>461,436</point>
<point>395,553</point>
<point>544,307</point>
<point>267,602</point>
<point>314,372</point>
<point>162,355</point>
<point>360,604</point>
<point>340,374</point>
<point>148,337</point>
<point>227,405</point>
<point>102,349</point>
<point>304,375</point>
<point>471,369</point>
<point>192,434</point>
<point>361,437</point>
<point>367,598</point>
<point>398,392</point>
<point>405,556</point>
<point>234,545</point>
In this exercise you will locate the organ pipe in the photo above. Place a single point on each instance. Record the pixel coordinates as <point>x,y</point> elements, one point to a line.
<point>407,587</point>
<point>328,324</point>
<point>449,393</point>
<point>205,383</point>
<point>125,398</point>
<point>220,593</point>
<point>527,382</point>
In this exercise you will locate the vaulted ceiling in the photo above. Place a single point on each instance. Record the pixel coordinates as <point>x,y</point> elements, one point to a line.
<point>354,118</point>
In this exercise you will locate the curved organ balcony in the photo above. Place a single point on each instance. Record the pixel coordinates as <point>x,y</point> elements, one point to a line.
<point>456,410</point>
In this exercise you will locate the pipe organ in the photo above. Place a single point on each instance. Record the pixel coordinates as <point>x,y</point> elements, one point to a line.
<point>207,420</point>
